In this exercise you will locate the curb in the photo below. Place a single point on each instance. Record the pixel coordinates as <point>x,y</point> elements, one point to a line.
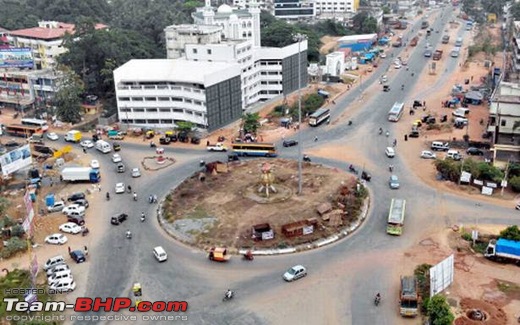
<point>169,229</point>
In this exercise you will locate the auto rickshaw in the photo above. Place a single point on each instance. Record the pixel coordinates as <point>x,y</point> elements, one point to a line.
<point>150,134</point>
<point>386,88</point>
<point>218,254</point>
<point>137,290</point>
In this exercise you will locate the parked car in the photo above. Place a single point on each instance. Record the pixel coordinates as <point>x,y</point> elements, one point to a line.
<point>56,207</point>
<point>87,144</point>
<point>116,158</point>
<point>57,268</point>
<point>82,202</point>
<point>56,239</point>
<point>294,273</point>
<point>79,220</point>
<point>393,182</point>
<point>70,228</point>
<point>52,136</point>
<point>425,154</point>
<point>76,196</point>
<point>66,285</point>
<point>118,218</point>
<point>474,151</point>
<point>290,143</point>
<point>73,208</point>
<point>78,256</point>
<point>136,172</point>
<point>120,188</point>
<point>454,154</point>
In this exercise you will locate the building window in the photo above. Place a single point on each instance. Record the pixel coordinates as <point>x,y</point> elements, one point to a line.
<point>165,110</point>
<point>164,99</point>
<point>209,51</point>
<point>125,109</point>
<point>138,110</point>
<point>152,110</point>
<point>140,121</point>
<point>124,99</point>
<point>194,51</point>
<point>153,121</point>
<point>150,99</point>
<point>178,110</point>
<point>137,99</point>
<point>175,99</point>
<point>166,121</point>
<point>503,123</point>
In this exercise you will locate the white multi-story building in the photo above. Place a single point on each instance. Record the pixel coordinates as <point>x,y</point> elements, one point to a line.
<point>294,9</point>
<point>225,38</point>
<point>244,4</point>
<point>46,41</point>
<point>336,6</point>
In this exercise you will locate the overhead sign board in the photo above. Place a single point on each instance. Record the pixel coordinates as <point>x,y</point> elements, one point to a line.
<point>441,275</point>
<point>15,160</point>
<point>20,57</point>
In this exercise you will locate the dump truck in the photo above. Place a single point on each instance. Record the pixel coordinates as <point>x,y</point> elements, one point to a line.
<point>503,250</point>
<point>219,146</point>
<point>437,55</point>
<point>73,136</point>
<point>414,41</point>
<point>80,174</point>
<point>408,297</point>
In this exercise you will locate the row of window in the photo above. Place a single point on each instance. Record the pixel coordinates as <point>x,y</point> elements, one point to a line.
<point>157,122</point>
<point>160,99</point>
<point>271,82</point>
<point>161,110</point>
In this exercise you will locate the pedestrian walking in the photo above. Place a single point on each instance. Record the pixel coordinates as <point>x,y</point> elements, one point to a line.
<point>395,142</point>
<point>69,249</point>
<point>424,103</point>
<point>99,188</point>
<point>84,150</point>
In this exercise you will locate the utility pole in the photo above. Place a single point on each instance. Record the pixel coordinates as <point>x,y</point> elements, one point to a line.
<point>299,38</point>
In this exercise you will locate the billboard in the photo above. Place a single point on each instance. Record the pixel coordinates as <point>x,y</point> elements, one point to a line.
<point>15,160</point>
<point>19,57</point>
<point>441,275</point>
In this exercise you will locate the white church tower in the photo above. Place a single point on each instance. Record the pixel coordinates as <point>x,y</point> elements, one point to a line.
<point>208,13</point>
<point>254,10</point>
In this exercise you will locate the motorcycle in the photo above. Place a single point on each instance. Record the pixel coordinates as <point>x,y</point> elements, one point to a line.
<point>229,295</point>
<point>380,131</point>
<point>306,158</point>
<point>202,163</point>
<point>377,300</point>
<point>135,196</point>
<point>143,217</point>
<point>84,231</point>
<point>350,122</point>
<point>352,169</point>
<point>129,189</point>
<point>128,234</point>
<point>152,144</point>
<point>248,256</point>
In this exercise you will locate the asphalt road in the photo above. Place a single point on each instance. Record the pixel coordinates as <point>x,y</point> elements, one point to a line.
<point>343,277</point>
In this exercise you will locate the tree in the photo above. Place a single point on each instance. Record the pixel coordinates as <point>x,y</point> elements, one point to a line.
<point>251,122</point>
<point>439,311</point>
<point>185,127</point>
<point>386,10</point>
<point>364,23</point>
<point>278,34</point>
<point>68,97</point>
<point>511,233</point>
<point>515,10</point>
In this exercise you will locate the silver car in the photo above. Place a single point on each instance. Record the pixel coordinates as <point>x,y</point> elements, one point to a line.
<point>294,273</point>
<point>393,182</point>
<point>136,172</point>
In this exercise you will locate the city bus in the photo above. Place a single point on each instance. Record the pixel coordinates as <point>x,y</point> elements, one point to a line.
<point>396,217</point>
<point>319,116</point>
<point>24,131</point>
<point>396,112</point>
<point>36,122</point>
<point>254,149</point>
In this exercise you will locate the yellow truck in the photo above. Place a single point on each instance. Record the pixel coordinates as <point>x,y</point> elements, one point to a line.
<point>73,136</point>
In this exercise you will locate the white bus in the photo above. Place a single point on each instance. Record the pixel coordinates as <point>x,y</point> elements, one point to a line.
<point>396,112</point>
<point>455,52</point>
<point>36,122</point>
<point>319,116</point>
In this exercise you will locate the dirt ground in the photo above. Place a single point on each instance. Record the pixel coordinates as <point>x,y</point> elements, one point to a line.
<point>227,197</point>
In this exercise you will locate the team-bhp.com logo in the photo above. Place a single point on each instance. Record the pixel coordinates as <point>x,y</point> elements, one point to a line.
<point>85,304</point>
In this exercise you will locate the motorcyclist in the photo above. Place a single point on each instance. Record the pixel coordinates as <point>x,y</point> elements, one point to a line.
<point>229,294</point>
<point>391,168</point>
<point>315,138</point>
<point>108,196</point>
<point>142,216</point>
<point>129,189</point>
<point>135,196</point>
<point>378,298</point>
<point>380,130</point>
<point>128,233</point>
<point>402,87</point>
<point>387,133</point>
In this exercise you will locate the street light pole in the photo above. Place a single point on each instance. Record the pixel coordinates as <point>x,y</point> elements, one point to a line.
<point>299,38</point>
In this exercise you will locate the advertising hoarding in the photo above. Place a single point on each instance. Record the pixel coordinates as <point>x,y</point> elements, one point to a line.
<point>20,57</point>
<point>441,275</point>
<point>15,160</point>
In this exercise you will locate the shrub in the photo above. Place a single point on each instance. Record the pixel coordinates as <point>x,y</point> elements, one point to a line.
<point>511,233</point>
<point>14,245</point>
<point>515,183</point>
<point>17,231</point>
<point>466,236</point>
<point>439,311</point>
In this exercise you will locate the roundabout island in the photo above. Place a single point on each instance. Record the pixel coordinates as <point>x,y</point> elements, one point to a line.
<point>255,205</point>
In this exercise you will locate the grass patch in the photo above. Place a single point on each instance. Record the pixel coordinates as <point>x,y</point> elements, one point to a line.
<point>197,213</point>
<point>508,287</point>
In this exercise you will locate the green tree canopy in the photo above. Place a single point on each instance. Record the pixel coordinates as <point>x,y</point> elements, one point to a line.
<point>511,233</point>
<point>439,311</point>
<point>68,97</point>
<point>251,122</point>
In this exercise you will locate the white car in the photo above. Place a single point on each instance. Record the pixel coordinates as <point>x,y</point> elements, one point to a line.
<point>397,66</point>
<point>73,208</point>
<point>94,164</point>
<point>52,136</point>
<point>116,158</point>
<point>383,55</point>
<point>70,228</point>
<point>56,239</point>
<point>136,172</point>
<point>294,273</point>
<point>87,144</point>
<point>384,78</point>
<point>120,188</point>
<point>64,285</point>
<point>428,155</point>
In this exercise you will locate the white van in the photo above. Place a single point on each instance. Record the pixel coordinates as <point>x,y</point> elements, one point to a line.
<point>390,152</point>
<point>58,268</point>
<point>103,146</point>
<point>53,261</point>
<point>437,145</point>
<point>460,112</point>
<point>64,285</point>
<point>160,254</point>
<point>453,154</point>
<point>56,277</point>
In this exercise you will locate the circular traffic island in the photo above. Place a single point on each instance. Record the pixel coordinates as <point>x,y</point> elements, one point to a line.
<point>255,204</point>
